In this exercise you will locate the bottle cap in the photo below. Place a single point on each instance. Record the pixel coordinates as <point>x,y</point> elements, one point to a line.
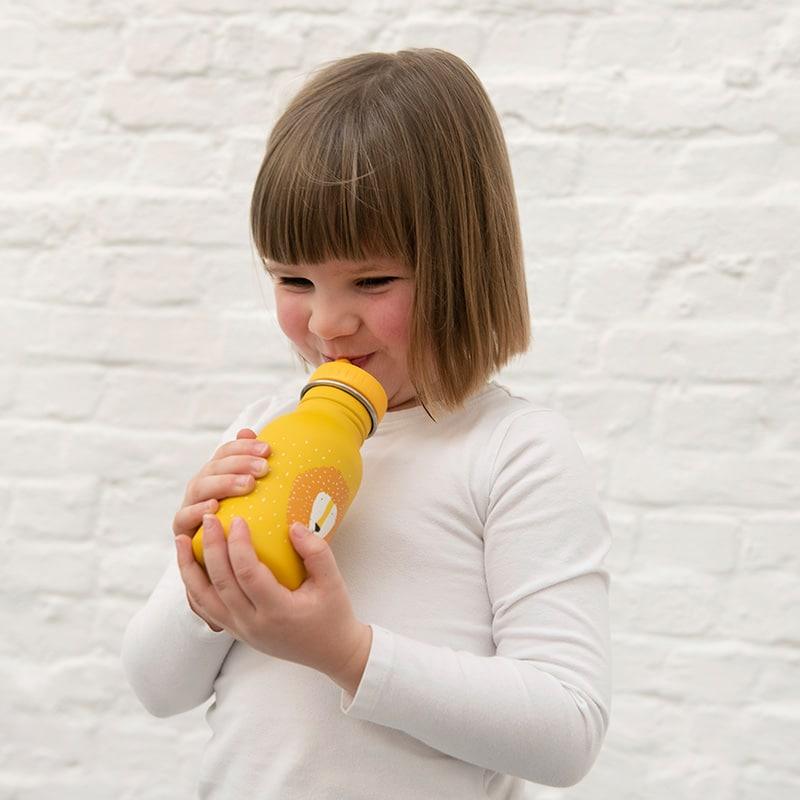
<point>365,386</point>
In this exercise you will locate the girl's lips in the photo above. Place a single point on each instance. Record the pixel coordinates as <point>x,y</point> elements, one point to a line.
<point>359,362</point>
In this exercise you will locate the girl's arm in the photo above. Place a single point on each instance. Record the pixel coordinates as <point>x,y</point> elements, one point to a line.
<point>539,708</point>
<point>170,656</point>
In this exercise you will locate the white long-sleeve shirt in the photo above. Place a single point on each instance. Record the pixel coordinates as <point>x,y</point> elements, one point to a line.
<point>475,550</point>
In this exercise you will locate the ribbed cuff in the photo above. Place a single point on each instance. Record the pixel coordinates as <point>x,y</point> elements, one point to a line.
<point>379,666</point>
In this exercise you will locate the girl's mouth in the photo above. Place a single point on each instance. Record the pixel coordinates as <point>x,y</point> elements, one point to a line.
<point>358,362</point>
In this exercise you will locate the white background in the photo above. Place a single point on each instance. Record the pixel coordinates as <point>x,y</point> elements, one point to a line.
<point>656,152</point>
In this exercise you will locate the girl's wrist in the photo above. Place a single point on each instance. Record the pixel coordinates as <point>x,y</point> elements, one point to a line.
<point>350,677</point>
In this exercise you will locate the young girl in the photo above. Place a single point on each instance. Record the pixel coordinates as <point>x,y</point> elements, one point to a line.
<point>452,640</point>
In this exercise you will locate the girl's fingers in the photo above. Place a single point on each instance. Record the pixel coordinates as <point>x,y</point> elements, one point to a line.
<point>189,518</point>
<point>220,572</point>
<point>255,579</point>
<point>197,584</point>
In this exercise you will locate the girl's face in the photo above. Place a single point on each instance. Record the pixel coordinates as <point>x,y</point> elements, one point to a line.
<point>353,310</point>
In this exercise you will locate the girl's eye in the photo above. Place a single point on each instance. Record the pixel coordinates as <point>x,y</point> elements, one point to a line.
<point>373,283</point>
<point>293,281</point>
<point>364,283</point>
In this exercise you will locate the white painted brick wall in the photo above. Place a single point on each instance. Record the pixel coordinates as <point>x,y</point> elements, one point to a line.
<point>655,149</point>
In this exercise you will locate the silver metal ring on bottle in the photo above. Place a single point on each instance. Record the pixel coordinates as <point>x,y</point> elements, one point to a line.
<point>351,391</point>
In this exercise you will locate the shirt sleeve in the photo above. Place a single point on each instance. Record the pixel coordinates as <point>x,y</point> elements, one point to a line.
<point>539,708</point>
<point>171,658</point>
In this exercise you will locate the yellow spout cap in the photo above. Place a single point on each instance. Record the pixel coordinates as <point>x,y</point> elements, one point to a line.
<point>342,371</point>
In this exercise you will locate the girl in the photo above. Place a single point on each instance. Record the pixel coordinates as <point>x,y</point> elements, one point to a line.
<point>452,641</point>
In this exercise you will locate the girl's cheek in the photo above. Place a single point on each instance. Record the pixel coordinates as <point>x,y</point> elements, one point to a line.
<point>291,317</point>
<point>395,319</point>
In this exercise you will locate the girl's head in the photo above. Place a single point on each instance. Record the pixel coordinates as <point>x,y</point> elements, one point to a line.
<point>395,160</point>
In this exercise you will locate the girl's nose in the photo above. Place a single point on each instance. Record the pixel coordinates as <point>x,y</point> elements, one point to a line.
<point>329,322</point>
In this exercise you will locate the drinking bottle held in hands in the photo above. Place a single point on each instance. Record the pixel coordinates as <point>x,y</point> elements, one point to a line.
<point>315,467</point>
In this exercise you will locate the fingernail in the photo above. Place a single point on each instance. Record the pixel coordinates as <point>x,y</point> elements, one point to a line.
<point>299,530</point>
<point>208,520</point>
<point>261,448</point>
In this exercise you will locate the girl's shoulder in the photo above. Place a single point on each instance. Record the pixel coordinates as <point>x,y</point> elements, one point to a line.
<point>508,413</point>
<point>502,405</point>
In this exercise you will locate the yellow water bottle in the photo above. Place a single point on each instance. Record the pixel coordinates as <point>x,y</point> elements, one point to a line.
<point>314,467</point>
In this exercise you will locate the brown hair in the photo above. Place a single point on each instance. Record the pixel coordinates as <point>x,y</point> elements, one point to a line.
<point>402,155</point>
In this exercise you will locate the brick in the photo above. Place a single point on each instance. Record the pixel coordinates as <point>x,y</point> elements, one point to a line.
<point>22,166</point>
<point>647,727</point>
<point>195,103</point>
<point>48,509</point>
<point>137,275</point>
<point>25,330</point>
<point>64,569</point>
<point>564,228</point>
<point>610,290</point>
<point>761,607</point>
<point>658,477</point>
<point>735,168</point>
<point>524,103</point>
<point>135,568</point>
<point>520,46</point>
<point>58,393</point>
<point>37,743</point>
<point>721,673</point>
<point>623,540</point>
<point>327,39</point>
<point>455,32</point>
<point>168,48</point>
<point>546,167</point>
<point>780,671</point>
<point>636,42</point>
<point>771,542</point>
<point>181,161</point>
<point>548,284</point>
<point>554,345</point>
<point>613,416</point>
<point>766,730</point>
<point>184,218</point>
<point>268,48</point>
<point>132,338</point>
<point>93,161</point>
<point>677,104</point>
<point>625,167</point>
<point>49,279</point>
<point>703,544</point>
<point>661,600</point>
<point>718,418</point>
<point>713,227</point>
<point>82,49</point>
<point>86,683</point>
<point>756,780</point>
<point>39,625</point>
<point>29,221</point>
<point>43,100</point>
<point>723,352</point>
<point>21,45</point>
<point>718,289</point>
<point>161,399</point>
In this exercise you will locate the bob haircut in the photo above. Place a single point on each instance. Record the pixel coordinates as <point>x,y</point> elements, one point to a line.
<point>401,155</point>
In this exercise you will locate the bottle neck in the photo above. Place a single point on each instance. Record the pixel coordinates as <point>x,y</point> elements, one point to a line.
<point>334,402</point>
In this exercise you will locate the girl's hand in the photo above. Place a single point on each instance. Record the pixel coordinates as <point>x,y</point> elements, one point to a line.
<point>217,480</point>
<point>313,625</point>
